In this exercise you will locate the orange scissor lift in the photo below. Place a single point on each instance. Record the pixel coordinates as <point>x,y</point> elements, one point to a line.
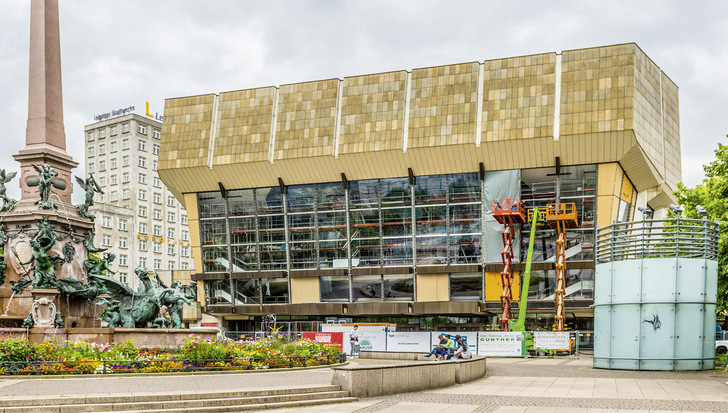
<point>561,216</point>
<point>507,211</point>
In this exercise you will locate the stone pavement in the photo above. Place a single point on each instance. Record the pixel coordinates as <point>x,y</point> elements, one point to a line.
<point>558,386</point>
<point>512,385</point>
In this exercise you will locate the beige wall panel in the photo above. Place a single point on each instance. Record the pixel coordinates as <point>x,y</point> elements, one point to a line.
<point>189,201</point>
<point>305,290</point>
<point>433,287</point>
<point>604,210</point>
<point>494,286</point>
<point>186,131</point>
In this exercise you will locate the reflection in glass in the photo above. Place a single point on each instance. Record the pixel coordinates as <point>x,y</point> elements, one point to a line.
<point>330,196</point>
<point>464,187</point>
<point>242,230</point>
<point>395,192</point>
<point>241,202</point>
<point>210,205</point>
<point>302,227</point>
<point>399,287</point>
<point>270,200</point>
<point>366,288</point>
<point>245,257</point>
<point>432,250</point>
<point>273,257</point>
<point>466,287</point>
<point>334,288</point>
<point>364,194</point>
<point>397,251</point>
<point>465,249</point>
<point>300,198</point>
<point>271,228</point>
<point>396,222</point>
<point>430,190</point>
<point>431,220</point>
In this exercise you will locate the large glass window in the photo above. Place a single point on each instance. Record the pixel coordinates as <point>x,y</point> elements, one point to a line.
<point>466,287</point>
<point>334,288</point>
<point>247,291</point>
<point>399,287</point>
<point>217,292</point>
<point>274,290</point>
<point>366,288</point>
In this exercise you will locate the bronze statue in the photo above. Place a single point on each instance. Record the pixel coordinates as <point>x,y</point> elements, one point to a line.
<point>88,242</point>
<point>100,267</point>
<point>46,174</point>
<point>91,187</point>
<point>111,313</point>
<point>8,203</point>
<point>174,298</point>
<point>44,269</point>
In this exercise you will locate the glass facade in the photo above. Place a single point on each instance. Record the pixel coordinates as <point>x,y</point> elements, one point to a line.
<point>378,223</point>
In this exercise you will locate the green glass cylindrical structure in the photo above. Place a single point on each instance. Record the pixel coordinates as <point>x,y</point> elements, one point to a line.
<point>655,295</point>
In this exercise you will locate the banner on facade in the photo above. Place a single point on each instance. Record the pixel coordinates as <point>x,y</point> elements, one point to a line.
<point>409,341</point>
<point>500,344</point>
<point>551,340</point>
<point>326,338</point>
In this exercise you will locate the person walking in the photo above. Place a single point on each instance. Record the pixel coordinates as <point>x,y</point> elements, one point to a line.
<point>353,339</point>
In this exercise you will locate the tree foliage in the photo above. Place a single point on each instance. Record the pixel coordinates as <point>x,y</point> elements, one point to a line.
<point>712,195</point>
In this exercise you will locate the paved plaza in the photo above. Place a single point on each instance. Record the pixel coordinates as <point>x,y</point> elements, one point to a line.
<point>512,385</point>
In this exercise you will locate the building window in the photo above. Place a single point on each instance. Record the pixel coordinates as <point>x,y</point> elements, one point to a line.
<point>170,265</point>
<point>184,219</point>
<point>114,196</point>
<point>106,240</point>
<point>142,129</point>
<point>113,163</point>
<point>125,194</point>
<point>183,265</point>
<point>185,235</point>
<point>90,136</point>
<point>170,201</point>
<point>142,178</point>
<point>102,181</point>
<point>170,249</point>
<point>122,242</point>
<point>125,178</point>
<point>157,182</point>
<point>113,180</point>
<point>142,245</point>
<point>112,146</point>
<point>102,149</point>
<point>170,233</point>
<point>102,133</point>
<point>157,264</point>
<point>91,151</point>
<point>142,145</point>
<point>125,143</point>
<point>125,160</point>
<point>143,262</point>
<point>154,165</point>
<point>113,131</point>
<point>157,198</point>
<point>142,211</point>
<point>103,198</point>
<point>91,168</point>
<point>102,166</point>
<point>142,196</point>
<point>155,149</point>
<point>170,217</point>
<point>157,214</point>
<point>125,128</point>
<point>184,251</point>
<point>122,225</point>
<point>157,247</point>
<point>106,221</point>
<point>122,260</point>
<point>156,134</point>
<point>142,162</point>
<point>142,228</point>
<point>157,230</point>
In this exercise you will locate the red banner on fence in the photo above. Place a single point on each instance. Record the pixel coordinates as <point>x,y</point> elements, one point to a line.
<point>327,338</point>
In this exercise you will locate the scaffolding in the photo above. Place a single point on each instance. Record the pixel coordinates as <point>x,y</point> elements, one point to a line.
<point>507,211</point>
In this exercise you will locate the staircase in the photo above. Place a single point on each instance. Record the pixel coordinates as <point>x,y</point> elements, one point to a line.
<point>220,401</point>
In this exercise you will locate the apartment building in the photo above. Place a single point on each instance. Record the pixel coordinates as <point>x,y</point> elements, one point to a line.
<point>137,218</point>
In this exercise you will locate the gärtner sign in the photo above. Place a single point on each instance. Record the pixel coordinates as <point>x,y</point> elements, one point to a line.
<point>117,112</point>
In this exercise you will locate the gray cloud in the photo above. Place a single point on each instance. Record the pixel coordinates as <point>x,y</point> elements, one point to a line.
<point>116,54</point>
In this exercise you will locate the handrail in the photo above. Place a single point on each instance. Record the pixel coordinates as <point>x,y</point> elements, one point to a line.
<point>658,238</point>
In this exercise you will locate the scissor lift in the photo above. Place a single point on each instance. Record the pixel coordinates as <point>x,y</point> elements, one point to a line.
<point>561,216</point>
<point>507,211</point>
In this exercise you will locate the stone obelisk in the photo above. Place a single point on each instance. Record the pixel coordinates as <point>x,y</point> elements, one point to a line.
<point>45,138</point>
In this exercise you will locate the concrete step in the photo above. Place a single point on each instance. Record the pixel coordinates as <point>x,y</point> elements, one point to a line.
<point>248,407</point>
<point>198,403</point>
<point>14,403</point>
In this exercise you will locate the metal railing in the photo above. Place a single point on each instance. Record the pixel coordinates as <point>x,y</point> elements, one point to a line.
<point>88,366</point>
<point>658,238</point>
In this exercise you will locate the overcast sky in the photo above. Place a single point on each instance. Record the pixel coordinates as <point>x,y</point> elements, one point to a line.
<point>120,53</point>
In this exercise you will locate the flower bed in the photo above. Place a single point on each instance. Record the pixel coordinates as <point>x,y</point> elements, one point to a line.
<point>19,356</point>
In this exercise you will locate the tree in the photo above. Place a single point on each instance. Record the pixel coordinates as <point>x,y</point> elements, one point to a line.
<point>712,195</point>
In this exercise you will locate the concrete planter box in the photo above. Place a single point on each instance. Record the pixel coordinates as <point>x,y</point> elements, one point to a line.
<point>142,337</point>
<point>370,381</point>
